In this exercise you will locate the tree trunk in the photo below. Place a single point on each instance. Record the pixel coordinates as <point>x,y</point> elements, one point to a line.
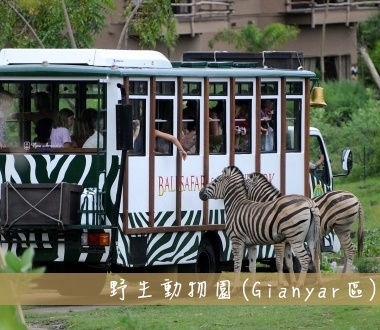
<point>124,32</point>
<point>68,25</point>
<point>370,66</point>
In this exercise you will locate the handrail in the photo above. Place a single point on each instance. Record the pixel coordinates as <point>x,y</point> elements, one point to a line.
<point>196,8</point>
<point>312,4</point>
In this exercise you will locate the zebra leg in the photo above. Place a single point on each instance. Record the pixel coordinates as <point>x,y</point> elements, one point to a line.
<point>304,259</point>
<point>252,255</point>
<point>288,255</point>
<point>237,251</point>
<point>279,250</point>
<point>347,246</point>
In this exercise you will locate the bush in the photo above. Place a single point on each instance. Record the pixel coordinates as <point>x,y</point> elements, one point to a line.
<point>368,265</point>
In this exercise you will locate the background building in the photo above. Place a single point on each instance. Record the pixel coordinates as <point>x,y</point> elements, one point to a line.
<point>333,21</point>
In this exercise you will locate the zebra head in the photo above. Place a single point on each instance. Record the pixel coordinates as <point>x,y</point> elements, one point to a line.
<point>218,187</point>
<point>260,189</point>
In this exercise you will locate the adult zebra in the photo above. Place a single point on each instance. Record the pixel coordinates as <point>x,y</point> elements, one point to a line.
<point>338,211</point>
<point>293,218</point>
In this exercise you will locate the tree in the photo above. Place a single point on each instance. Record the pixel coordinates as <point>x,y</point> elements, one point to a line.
<point>368,36</point>
<point>151,21</point>
<point>251,39</point>
<point>25,23</point>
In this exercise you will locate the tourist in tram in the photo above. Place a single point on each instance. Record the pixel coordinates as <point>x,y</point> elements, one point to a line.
<point>60,136</point>
<point>266,128</point>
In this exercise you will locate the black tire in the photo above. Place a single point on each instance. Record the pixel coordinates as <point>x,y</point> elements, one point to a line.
<point>206,264</point>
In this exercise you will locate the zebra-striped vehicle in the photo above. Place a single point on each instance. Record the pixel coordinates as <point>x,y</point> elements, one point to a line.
<point>338,211</point>
<point>130,204</point>
<point>293,218</point>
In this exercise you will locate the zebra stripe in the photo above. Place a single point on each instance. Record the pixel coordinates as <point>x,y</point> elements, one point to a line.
<point>338,211</point>
<point>294,218</point>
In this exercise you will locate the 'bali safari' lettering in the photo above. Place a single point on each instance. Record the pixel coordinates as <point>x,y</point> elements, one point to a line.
<point>188,183</point>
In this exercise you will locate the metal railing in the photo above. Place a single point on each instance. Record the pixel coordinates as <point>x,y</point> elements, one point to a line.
<point>192,9</point>
<point>304,5</point>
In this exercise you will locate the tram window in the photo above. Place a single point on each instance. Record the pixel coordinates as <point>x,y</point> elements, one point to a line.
<point>138,88</point>
<point>165,88</point>
<point>94,96</point>
<point>139,126</point>
<point>217,126</point>
<point>294,88</point>
<point>33,101</point>
<point>243,115</point>
<point>293,125</point>
<point>268,125</point>
<point>218,88</point>
<point>190,127</point>
<point>164,123</point>
<point>68,96</point>
<point>269,88</point>
<point>12,134</point>
<point>244,88</point>
<point>192,88</point>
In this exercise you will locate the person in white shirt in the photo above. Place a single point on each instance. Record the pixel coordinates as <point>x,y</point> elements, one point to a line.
<point>92,141</point>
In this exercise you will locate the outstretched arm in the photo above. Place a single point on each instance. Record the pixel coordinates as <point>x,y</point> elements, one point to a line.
<point>173,140</point>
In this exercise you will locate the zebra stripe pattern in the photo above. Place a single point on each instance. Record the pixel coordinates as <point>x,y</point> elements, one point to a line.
<point>293,218</point>
<point>338,211</point>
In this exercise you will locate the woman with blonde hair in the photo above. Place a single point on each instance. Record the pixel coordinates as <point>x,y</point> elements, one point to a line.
<point>6,99</point>
<point>60,136</point>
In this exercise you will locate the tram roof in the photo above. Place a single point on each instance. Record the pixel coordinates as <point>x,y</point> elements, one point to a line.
<point>57,70</point>
<point>102,63</point>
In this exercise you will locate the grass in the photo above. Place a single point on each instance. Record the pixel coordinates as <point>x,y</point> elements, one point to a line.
<point>240,317</point>
<point>215,317</point>
<point>368,192</point>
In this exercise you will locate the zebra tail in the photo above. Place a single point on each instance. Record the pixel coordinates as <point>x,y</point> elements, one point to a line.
<point>317,233</point>
<point>360,232</point>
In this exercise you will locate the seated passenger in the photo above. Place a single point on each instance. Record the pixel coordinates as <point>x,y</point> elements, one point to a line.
<point>90,115</point>
<point>43,109</point>
<point>216,128</point>
<point>43,132</point>
<point>92,141</point>
<point>60,136</point>
<point>81,132</point>
<point>241,127</point>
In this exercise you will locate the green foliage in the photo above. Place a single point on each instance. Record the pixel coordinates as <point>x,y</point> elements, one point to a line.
<point>10,317</point>
<point>350,120</point>
<point>367,265</point>
<point>154,22</point>
<point>369,32</point>
<point>87,19</point>
<point>251,39</point>
<point>20,265</point>
<point>326,266</point>
<point>372,243</point>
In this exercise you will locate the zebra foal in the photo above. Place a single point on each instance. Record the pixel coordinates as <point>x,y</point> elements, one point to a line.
<point>293,218</point>
<point>338,211</point>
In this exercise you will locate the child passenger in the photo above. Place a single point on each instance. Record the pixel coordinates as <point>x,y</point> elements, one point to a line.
<point>60,134</point>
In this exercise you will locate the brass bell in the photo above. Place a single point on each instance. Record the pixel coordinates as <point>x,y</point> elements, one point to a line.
<point>317,98</point>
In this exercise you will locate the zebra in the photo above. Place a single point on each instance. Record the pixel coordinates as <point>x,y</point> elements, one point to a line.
<point>338,211</point>
<point>293,218</point>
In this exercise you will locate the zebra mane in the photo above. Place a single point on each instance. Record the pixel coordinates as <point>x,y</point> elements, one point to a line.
<point>236,172</point>
<point>260,189</point>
